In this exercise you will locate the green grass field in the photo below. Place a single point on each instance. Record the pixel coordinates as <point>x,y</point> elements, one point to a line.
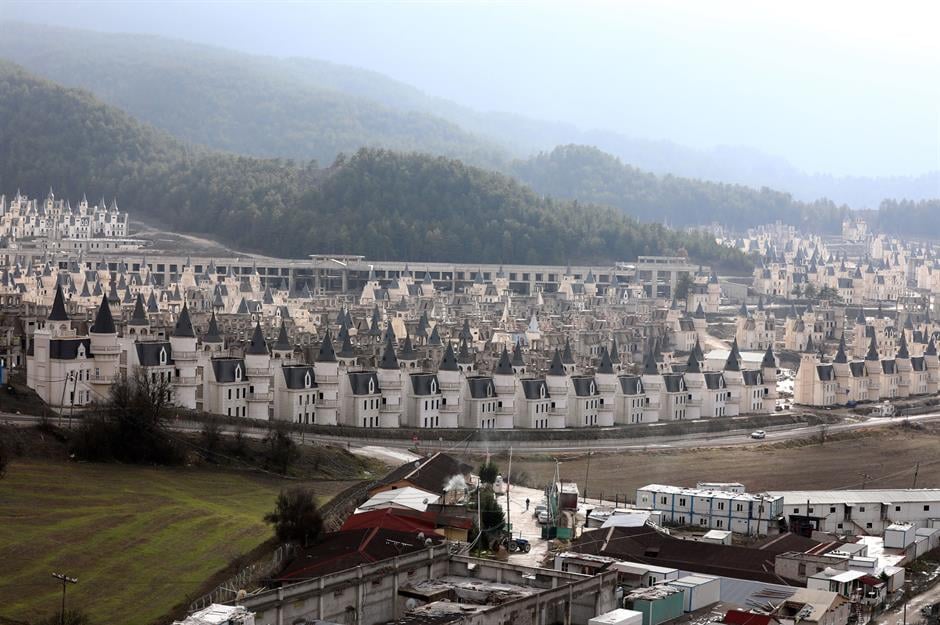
<point>140,540</point>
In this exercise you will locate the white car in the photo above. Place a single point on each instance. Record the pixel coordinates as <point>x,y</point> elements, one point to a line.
<point>759,434</point>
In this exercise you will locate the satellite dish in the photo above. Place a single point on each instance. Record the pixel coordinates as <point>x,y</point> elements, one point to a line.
<point>241,594</point>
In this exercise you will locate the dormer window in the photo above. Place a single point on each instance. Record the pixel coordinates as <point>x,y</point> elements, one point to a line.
<point>542,392</point>
<point>307,380</point>
<point>238,373</point>
<point>371,386</point>
<point>433,387</point>
<point>162,355</point>
<point>81,351</point>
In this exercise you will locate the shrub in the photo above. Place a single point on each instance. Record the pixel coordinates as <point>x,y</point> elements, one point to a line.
<point>296,517</point>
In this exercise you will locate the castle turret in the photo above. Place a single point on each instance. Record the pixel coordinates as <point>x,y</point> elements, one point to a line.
<point>390,381</point>
<point>183,343</point>
<point>258,365</point>
<point>326,368</point>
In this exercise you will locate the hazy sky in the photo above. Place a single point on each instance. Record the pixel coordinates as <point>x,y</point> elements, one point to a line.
<point>832,86</point>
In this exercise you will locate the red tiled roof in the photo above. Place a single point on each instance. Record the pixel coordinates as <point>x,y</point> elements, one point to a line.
<point>392,519</point>
<point>739,617</point>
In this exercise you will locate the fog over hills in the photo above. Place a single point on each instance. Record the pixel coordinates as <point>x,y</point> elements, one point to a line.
<point>403,116</point>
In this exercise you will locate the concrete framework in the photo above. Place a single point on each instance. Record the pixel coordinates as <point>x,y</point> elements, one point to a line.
<point>345,273</point>
<point>372,594</point>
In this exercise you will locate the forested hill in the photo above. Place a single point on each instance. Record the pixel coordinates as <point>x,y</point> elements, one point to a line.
<point>378,203</point>
<point>586,173</point>
<point>231,101</point>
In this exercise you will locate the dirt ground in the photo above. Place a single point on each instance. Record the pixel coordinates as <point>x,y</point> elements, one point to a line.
<point>888,457</point>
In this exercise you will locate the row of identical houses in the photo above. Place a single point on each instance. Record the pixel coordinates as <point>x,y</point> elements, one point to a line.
<point>72,368</point>
<point>24,218</point>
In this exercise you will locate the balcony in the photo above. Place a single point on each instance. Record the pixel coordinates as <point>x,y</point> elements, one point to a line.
<point>186,380</point>
<point>103,379</point>
<point>327,379</point>
<point>106,349</point>
<point>265,397</point>
<point>180,355</point>
<point>255,372</point>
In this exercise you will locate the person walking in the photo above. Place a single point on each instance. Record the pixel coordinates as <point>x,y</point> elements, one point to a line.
<point>526,504</point>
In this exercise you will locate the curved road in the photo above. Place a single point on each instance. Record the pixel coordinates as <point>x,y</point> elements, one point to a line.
<point>723,439</point>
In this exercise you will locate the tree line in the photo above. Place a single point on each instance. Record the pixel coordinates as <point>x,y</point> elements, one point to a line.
<point>384,204</point>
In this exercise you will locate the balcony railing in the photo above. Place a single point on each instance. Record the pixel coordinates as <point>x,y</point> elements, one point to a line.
<point>180,355</point>
<point>186,380</point>
<point>106,349</point>
<point>254,372</point>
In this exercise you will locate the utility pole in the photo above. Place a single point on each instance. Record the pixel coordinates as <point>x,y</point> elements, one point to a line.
<point>72,400</point>
<point>865,478</point>
<point>916,470</point>
<point>508,478</point>
<point>587,475</point>
<point>66,580</point>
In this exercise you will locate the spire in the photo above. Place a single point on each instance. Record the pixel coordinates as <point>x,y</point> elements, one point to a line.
<point>931,348</point>
<point>517,359</point>
<point>614,352</point>
<point>902,348</point>
<point>841,358</point>
<point>742,312</point>
<point>699,312</point>
<point>649,362</point>
<point>212,334</point>
<point>463,354</point>
<point>449,361</point>
<point>556,368</point>
<point>693,365</point>
<point>435,338</point>
<point>407,350</point>
<point>347,351</point>
<point>504,366</point>
<point>282,344</point>
<point>566,356</point>
<point>769,361</point>
<point>326,352</point>
<point>104,322</point>
<point>388,360</point>
<point>139,318</point>
<point>58,312</point>
<point>184,326</point>
<point>810,348</point>
<point>860,317</point>
<point>697,350</point>
<point>734,358</point>
<point>605,366</point>
<point>257,346</point>
<point>872,350</point>
<point>760,303</point>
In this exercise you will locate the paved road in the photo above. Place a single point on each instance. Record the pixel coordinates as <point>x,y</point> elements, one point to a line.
<point>724,439</point>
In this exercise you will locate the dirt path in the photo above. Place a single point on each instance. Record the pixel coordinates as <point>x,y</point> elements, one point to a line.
<point>888,456</point>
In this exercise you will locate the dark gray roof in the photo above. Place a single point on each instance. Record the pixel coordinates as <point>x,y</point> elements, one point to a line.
<point>104,321</point>
<point>631,384</point>
<point>67,349</point>
<point>184,326</point>
<point>872,349</point>
<point>58,312</point>
<point>388,359</point>
<point>734,358</point>
<point>139,318</point>
<point>675,382</point>
<point>149,352</point>
<point>714,380</point>
<point>449,361</point>
<point>556,367</point>
<point>857,368</point>
<point>606,365</point>
<point>752,377</point>
<point>533,388</point>
<point>584,386</point>
<point>299,376</point>
<point>435,338</point>
<point>425,384</point>
<point>902,348</point>
<point>566,356</point>
<point>504,366</point>
<point>212,334</point>
<point>841,358</point>
<point>693,365</point>
<point>359,382</point>
<point>481,387</point>
<point>918,363</point>
<point>282,343</point>
<point>889,366</point>
<point>258,346</point>
<point>225,369</point>
<point>326,352</point>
